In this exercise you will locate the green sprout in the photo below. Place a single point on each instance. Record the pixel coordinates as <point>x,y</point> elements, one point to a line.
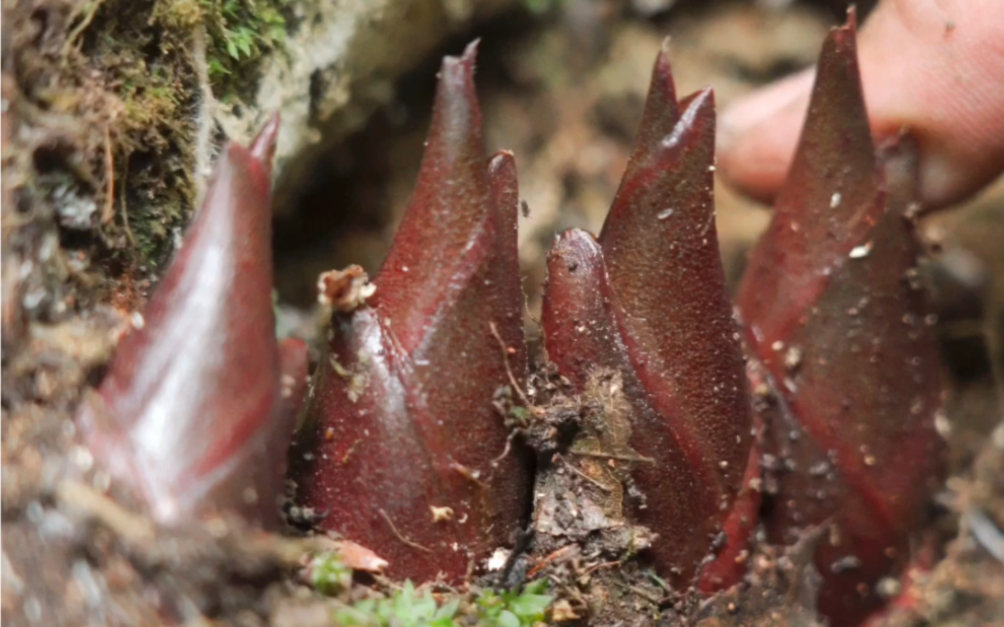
<point>510,608</point>
<point>408,607</point>
<point>328,575</point>
<point>404,608</point>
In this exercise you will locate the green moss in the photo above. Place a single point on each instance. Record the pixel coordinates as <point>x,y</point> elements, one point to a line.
<point>406,606</point>
<point>328,575</point>
<point>121,78</point>
<point>240,33</point>
<point>114,82</point>
<point>513,608</point>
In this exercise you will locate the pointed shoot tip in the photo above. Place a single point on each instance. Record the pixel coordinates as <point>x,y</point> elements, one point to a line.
<point>662,73</point>
<point>263,145</point>
<point>661,110</point>
<point>697,107</point>
<point>852,19</point>
<point>575,243</point>
<point>842,40</point>
<point>700,99</point>
<point>471,51</point>
<point>501,161</point>
<point>460,70</point>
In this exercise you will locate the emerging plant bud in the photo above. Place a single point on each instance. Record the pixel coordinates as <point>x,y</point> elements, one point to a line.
<point>402,449</point>
<point>189,413</point>
<point>834,314</point>
<point>647,300</point>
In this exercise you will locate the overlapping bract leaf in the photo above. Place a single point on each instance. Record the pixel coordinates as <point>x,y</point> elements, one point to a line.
<point>402,448</point>
<point>647,300</point>
<point>189,414</point>
<point>836,320</point>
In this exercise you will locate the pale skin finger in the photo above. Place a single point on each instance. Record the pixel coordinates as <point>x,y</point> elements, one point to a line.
<point>935,68</point>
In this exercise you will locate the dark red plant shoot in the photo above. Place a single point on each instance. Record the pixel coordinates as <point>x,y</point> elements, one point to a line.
<point>836,318</point>
<point>190,414</point>
<point>647,300</point>
<point>402,446</point>
<point>402,449</point>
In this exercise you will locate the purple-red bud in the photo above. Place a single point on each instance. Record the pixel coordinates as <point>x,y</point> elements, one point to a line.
<point>402,449</point>
<point>834,313</point>
<point>188,415</point>
<point>647,299</point>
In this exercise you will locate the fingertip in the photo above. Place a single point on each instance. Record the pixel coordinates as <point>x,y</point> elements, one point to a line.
<point>762,106</point>
<point>937,70</point>
<point>757,135</point>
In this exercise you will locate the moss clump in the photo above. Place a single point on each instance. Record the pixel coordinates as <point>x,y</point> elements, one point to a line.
<point>240,33</point>
<point>328,575</point>
<point>406,606</point>
<point>513,608</point>
<point>111,92</point>
<point>108,93</point>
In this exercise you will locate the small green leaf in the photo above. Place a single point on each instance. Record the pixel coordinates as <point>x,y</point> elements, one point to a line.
<point>328,574</point>
<point>531,606</point>
<point>659,580</point>
<point>448,611</point>
<point>424,607</point>
<point>538,586</point>
<point>217,69</point>
<point>522,414</point>
<point>360,615</point>
<point>507,619</point>
<point>245,40</point>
